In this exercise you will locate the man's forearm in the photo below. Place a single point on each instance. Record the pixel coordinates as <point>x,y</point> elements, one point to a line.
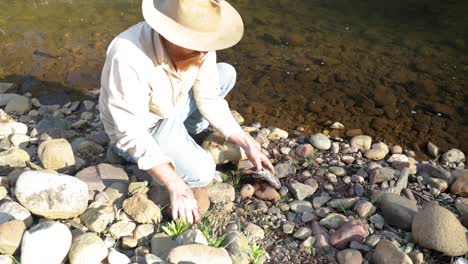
<point>166,175</point>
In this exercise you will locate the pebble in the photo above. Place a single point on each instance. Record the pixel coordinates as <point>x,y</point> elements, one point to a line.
<point>378,221</point>
<point>302,191</point>
<point>288,228</point>
<point>361,142</point>
<point>191,236</point>
<point>12,210</point>
<point>396,149</point>
<point>299,206</point>
<point>375,154</point>
<point>398,211</point>
<point>197,253</point>
<point>319,201</point>
<point>338,171</point>
<point>302,233</point>
<point>387,253</point>
<point>364,208</point>
<point>344,203</point>
<point>453,156</point>
<point>433,150</point>
<point>333,221</point>
<point>320,141</point>
<point>247,191</point>
<point>349,256</point>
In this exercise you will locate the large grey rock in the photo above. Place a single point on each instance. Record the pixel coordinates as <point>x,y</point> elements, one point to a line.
<point>161,245</point>
<point>238,247</point>
<point>387,253</point>
<point>52,125</point>
<point>87,248</point>
<point>199,254</point>
<point>398,211</point>
<point>47,242</point>
<point>437,228</point>
<point>379,175</point>
<point>50,195</point>
<point>19,105</point>
<point>320,141</point>
<point>56,154</point>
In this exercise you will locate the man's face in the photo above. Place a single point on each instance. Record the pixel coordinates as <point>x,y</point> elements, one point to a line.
<point>180,55</point>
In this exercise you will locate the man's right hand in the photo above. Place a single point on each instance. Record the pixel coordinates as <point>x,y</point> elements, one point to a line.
<point>183,203</point>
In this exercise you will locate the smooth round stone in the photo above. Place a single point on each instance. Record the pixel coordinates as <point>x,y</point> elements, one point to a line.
<point>115,257</point>
<point>453,156</point>
<point>375,154</point>
<point>349,256</point>
<point>320,141</point>
<point>397,210</point>
<point>221,192</point>
<point>254,232</point>
<point>277,133</point>
<point>19,140</point>
<point>11,233</point>
<point>50,195</point>
<point>87,248</point>
<point>122,228</point>
<point>12,210</point>
<point>12,158</point>
<point>302,233</point>
<point>397,149</point>
<point>197,253</point>
<point>19,104</point>
<point>56,154</point>
<point>47,242</point>
<point>338,171</point>
<point>288,228</point>
<point>333,221</point>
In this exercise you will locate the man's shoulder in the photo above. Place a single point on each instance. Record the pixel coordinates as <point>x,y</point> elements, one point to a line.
<point>132,44</point>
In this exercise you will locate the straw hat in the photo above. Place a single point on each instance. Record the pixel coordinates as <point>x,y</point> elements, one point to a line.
<point>202,25</point>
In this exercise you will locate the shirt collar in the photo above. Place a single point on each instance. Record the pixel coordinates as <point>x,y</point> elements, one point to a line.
<point>162,57</point>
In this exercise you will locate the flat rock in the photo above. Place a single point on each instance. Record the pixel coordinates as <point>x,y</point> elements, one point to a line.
<point>87,248</point>
<point>191,236</point>
<point>333,221</point>
<point>13,158</point>
<point>387,253</point>
<point>11,233</point>
<point>338,171</point>
<point>101,176</point>
<point>354,230</point>
<point>437,228</point>
<point>142,210</point>
<point>50,195</point>
<point>221,192</point>
<point>302,191</point>
<point>56,154</point>
<point>121,229</point>
<point>320,141</point>
<point>398,211</point>
<point>198,254</point>
<point>46,242</point>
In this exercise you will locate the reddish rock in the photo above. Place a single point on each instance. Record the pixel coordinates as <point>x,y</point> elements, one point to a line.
<point>305,151</point>
<point>265,191</point>
<point>355,230</point>
<point>247,191</point>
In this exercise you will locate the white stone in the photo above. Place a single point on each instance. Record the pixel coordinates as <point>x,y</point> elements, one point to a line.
<point>13,128</point>
<point>277,133</point>
<point>320,141</point>
<point>6,98</point>
<point>453,156</point>
<point>361,142</point>
<point>19,140</point>
<point>337,125</point>
<point>47,242</point>
<point>116,257</point>
<point>5,259</point>
<point>381,146</point>
<point>50,195</point>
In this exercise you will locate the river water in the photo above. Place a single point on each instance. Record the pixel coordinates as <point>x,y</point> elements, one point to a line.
<point>396,69</point>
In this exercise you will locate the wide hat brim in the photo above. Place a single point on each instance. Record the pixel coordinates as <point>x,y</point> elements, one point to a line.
<point>229,32</point>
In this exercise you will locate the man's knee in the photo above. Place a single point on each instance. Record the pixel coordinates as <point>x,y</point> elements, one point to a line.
<point>204,171</point>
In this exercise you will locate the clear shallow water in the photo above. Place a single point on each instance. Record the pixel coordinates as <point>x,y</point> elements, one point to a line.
<point>396,70</point>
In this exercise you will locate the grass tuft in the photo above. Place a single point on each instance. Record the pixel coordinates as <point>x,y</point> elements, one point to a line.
<point>256,253</point>
<point>175,228</point>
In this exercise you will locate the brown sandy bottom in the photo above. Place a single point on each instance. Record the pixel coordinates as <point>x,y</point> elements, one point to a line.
<point>395,70</point>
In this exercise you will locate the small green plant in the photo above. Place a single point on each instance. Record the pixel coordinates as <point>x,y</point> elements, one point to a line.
<point>209,232</point>
<point>342,210</point>
<point>175,228</point>
<point>233,178</point>
<point>310,161</point>
<point>256,253</point>
<point>310,250</point>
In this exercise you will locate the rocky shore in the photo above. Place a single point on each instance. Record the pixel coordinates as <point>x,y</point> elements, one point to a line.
<point>66,198</point>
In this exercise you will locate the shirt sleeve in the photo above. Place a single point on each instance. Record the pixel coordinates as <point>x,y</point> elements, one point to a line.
<point>127,105</point>
<point>211,105</point>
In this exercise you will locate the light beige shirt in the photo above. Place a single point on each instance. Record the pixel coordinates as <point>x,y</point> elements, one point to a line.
<point>139,87</point>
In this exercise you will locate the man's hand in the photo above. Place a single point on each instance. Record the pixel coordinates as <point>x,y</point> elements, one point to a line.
<point>252,151</point>
<point>183,203</point>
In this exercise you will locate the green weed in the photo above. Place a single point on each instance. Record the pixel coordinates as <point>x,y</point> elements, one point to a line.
<point>208,230</point>
<point>175,228</point>
<point>256,253</point>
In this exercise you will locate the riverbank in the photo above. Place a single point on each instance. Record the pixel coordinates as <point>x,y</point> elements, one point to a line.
<point>344,198</point>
